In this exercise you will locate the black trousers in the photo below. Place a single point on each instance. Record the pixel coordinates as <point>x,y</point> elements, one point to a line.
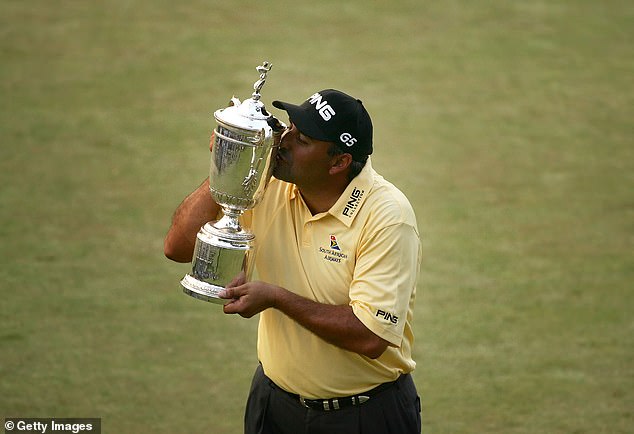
<point>270,410</point>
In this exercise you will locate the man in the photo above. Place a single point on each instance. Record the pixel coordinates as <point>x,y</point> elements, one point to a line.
<point>338,259</point>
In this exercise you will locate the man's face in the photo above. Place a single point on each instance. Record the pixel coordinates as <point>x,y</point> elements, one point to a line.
<point>301,160</point>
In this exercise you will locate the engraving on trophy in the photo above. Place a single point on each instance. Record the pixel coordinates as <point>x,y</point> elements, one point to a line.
<point>229,154</point>
<point>231,146</point>
<point>207,260</point>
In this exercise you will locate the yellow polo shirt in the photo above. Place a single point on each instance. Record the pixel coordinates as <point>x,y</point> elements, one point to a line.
<point>365,251</point>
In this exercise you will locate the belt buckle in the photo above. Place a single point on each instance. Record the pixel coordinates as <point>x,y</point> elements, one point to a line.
<point>325,403</point>
<point>359,399</point>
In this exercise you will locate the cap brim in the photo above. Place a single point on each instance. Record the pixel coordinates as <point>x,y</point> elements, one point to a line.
<point>302,120</point>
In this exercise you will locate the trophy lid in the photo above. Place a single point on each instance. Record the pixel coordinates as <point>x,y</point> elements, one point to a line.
<point>250,114</point>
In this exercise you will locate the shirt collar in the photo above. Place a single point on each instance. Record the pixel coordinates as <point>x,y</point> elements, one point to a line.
<point>347,206</point>
<point>349,203</point>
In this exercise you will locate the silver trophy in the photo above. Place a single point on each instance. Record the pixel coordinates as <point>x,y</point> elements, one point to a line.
<point>244,144</point>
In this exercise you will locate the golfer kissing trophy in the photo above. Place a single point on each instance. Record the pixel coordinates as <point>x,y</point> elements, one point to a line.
<point>244,144</point>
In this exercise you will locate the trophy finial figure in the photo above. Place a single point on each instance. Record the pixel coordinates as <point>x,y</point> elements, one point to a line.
<point>257,86</point>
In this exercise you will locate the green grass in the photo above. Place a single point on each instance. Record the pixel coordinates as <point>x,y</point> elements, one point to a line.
<point>508,124</point>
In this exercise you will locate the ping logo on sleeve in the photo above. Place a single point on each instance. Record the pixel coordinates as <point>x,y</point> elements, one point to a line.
<point>387,316</point>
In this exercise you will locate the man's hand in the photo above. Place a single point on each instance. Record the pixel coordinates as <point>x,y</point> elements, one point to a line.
<point>248,298</point>
<point>336,324</point>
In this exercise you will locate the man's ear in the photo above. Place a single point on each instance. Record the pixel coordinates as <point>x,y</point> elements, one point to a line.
<point>341,163</point>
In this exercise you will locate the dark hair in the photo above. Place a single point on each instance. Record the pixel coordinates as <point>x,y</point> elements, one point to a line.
<point>355,166</point>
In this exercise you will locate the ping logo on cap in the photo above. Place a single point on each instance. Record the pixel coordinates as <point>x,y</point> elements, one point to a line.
<point>323,108</point>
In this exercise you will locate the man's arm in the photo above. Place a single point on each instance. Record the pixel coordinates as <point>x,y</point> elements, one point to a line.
<point>336,324</point>
<point>196,209</point>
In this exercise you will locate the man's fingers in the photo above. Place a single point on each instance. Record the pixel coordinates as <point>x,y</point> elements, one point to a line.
<point>230,307</point>
<point>235,292</point>
<point>237,306</point>
<point>227,293</point>
<point>237,281</point>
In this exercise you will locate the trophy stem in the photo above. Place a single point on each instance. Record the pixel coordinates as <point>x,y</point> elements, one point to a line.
<point>229,221</point>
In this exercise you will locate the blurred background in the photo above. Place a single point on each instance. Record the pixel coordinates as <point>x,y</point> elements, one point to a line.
<point>508,124</point>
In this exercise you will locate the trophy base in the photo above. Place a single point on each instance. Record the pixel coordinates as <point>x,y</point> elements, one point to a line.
<point>202,290</point>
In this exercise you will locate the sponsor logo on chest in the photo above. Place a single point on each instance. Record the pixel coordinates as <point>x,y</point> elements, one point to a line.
<point>333,253</point>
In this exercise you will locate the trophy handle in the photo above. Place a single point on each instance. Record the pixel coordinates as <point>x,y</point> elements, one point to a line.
<point>250,181</point>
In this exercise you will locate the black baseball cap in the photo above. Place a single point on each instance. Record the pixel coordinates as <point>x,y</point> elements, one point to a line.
<point>333,116</point>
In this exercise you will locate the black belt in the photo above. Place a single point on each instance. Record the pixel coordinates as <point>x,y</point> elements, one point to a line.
<point>339,402</point>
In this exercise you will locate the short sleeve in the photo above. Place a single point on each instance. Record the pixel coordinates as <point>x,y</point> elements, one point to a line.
<point>384,283</point>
